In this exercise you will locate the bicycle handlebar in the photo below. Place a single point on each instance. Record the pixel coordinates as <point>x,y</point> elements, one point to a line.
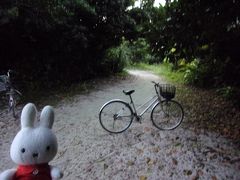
<point>155,84</point>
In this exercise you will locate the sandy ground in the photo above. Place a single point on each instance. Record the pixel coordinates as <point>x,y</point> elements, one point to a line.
<point>142,152</point>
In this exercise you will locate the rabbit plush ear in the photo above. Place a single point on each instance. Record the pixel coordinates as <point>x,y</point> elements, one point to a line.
<point>47,117</point>
<point>28,115</point>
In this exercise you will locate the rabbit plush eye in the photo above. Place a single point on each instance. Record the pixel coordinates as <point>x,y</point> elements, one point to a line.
<point>23,150</point>
<point>47,148</point>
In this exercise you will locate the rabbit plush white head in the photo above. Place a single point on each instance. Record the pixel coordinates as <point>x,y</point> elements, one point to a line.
<point>33,147</point>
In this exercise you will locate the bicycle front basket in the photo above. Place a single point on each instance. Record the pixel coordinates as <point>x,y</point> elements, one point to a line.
<point>167,91</point>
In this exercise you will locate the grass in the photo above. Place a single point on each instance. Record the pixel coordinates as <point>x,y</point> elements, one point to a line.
<point>163,70</point>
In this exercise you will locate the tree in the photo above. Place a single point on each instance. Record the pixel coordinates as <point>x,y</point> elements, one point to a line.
<point>60,41</point>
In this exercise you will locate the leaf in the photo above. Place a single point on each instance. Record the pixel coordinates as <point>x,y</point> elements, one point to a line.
<point>214,178</point>
<point>142,178</point>
<point>178,144</point>
<point>139,151</point>
<point>147,129</point>
<point>200,172</point>
<point>175,162</point>
<point>151,162</point>
<point>156,149</point>
<point>105,166</point>
<point>173,50</point>
<point>130,163</point>
<point>187,172</point>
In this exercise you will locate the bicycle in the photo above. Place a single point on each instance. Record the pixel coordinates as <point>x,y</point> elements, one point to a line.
<point>11,93</point>
<point>116,115</point>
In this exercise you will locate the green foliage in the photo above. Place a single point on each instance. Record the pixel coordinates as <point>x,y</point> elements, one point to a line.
<point>230,93</point>
<point>164,70</point>
<point>117,58</point>
<point>191,72</point>
<point>140,51</point>
<point>67,41</point>
<point>52,42</point>
<point>198,73</point>
<point>126,53</point>
<point>203,30</point>
<point>226,92</point>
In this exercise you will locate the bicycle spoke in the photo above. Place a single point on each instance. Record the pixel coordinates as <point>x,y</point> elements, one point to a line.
<point>115,116</point>
<point>167,115</point>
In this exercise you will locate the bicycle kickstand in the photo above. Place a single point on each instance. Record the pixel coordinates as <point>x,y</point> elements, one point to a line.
<point>139,119</point>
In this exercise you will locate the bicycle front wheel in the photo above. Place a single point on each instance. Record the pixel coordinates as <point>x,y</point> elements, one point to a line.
<point>167,115</point>
<point>13,97</point>
<point>12,104</point>
<point>116,116</point>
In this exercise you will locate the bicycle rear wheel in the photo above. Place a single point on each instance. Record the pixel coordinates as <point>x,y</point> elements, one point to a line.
<point>167,115</point>
<point>116,116</point>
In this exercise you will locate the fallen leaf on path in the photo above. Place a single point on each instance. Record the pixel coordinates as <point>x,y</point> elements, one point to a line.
<point>105,166</point>
<point>142,178</point>
<point>149,161</point>
<point>156,149</point>
<point>214,178</point>
<point>175,162</point>
<point>200,172</point>
<point>178,144</point>
<point>187,172</point>
<point>147,129</point>
<point>161,167</point>
<point>130,163</point>
<point>139,151</point>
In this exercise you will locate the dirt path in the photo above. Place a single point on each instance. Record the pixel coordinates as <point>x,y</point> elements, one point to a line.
<point>142,152</point>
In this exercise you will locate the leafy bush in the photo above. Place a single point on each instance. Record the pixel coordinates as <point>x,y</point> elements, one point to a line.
<point>226,92</point>
<point>117,58</point>
<point>181,30</point>
<point>54,42</point>
<point>198,73</point>
<point>191,72</point>
<point>140,50</point>
<point>127,53</point>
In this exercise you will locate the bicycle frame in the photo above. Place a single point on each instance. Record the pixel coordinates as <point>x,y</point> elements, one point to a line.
<point>10,92</point>
<point>151,102</point>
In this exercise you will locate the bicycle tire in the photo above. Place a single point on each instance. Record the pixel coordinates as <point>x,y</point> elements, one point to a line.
<point>109,116</point>
<point>12,101</point>
<point>167,115</point>
<point>12,104</point>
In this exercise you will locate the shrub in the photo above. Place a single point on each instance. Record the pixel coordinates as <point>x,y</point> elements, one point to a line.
<point>141,51</point>
<point>117,58</point>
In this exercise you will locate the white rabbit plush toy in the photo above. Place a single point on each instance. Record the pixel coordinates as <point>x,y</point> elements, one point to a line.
<point>33,147</point>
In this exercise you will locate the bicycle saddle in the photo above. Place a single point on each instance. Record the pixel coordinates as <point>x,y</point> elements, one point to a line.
<point>128,92</point>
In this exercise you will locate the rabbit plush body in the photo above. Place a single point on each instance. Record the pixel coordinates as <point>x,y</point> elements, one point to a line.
<point>33,147</point>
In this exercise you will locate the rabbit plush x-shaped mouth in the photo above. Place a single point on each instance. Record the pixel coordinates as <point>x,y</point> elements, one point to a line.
<point>34,145</point>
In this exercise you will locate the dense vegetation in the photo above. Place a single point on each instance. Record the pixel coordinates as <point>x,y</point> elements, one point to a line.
<point>51,42</point>
<point>67,41</point>
<point>198,38</point>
